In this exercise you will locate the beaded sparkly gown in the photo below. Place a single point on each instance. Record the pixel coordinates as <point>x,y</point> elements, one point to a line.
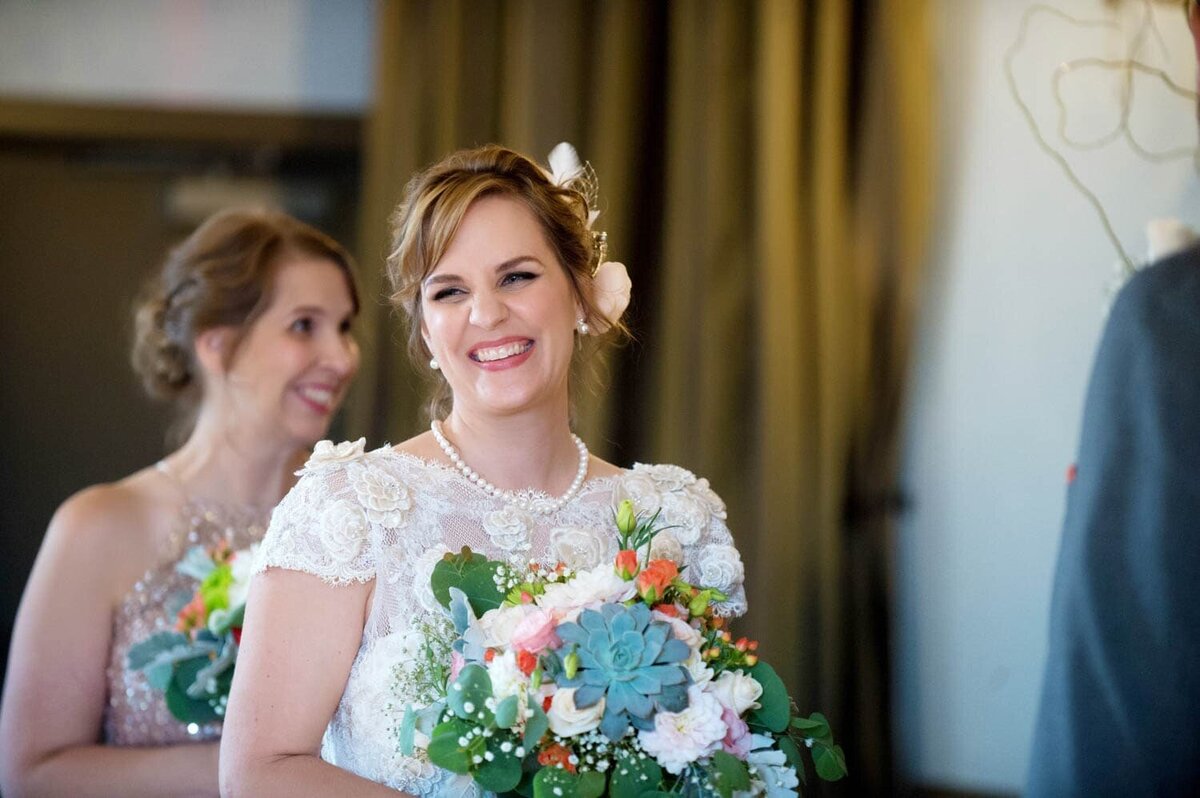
<point>136,714</point>
<point>388,517</point>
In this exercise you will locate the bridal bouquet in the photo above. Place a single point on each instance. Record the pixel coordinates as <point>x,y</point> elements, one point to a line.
<point>616,680</point>
<point>193,663</point>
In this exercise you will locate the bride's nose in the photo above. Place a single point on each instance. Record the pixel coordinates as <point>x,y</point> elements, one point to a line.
<point>487,310</point>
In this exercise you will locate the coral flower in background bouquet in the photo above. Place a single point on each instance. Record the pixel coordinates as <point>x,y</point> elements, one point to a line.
<point>617,680</point>
<point>193,663</point>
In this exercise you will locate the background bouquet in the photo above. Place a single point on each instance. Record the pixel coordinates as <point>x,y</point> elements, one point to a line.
<point>193,664</point>
<point>621,679</point>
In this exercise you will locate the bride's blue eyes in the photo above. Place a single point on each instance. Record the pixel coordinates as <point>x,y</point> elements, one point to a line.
<point>515,277</point>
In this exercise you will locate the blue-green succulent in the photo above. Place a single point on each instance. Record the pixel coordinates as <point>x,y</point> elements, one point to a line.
<point>631,661</point>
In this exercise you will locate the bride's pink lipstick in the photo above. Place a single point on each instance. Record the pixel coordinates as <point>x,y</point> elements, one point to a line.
<point>503,353</point>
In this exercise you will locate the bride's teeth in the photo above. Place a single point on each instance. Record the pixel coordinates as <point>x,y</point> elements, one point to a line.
<point>501,352</point>
<point>320,395</point>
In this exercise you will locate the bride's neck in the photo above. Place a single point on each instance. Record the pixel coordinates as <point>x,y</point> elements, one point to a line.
<point>235,466</point>
<point>528,450</point>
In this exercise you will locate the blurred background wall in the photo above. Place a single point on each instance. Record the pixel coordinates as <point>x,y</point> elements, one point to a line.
<point>121,122</point>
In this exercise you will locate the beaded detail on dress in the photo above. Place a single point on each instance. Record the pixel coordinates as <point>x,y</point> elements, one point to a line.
<point>388,517</point>
<point>136,713</point>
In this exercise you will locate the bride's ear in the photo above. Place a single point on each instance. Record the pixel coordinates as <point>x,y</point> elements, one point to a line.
<point>213,347</point>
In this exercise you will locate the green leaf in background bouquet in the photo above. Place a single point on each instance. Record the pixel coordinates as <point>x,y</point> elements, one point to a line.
<point>535,726</point>
<point>471,573</point>
<point>551,782</point>
<point>775,708</point>
<point>792,752</point>
<point>506,712</point>
<point>183,707</point>
<point>633,775</point>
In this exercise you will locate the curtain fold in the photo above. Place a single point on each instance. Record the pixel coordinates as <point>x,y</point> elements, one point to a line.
<point>764,173</point>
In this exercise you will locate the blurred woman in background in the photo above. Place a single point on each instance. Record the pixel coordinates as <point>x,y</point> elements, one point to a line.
<point>246,330</point>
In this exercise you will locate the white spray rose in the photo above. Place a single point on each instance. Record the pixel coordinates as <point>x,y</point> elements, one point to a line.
<point>568,720</point>
<point>737,690</point>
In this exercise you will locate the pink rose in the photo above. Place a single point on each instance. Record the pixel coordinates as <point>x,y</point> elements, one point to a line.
<point>457,663</point>
<point>737,735</point>
<point>535,632</point>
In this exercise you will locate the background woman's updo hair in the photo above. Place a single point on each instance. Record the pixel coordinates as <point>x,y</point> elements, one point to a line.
<point>434,204</point>
<point>220,276</point>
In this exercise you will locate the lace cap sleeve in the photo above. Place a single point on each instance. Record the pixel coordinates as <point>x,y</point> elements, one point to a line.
<point>323,526</point>
<point>698,538</point>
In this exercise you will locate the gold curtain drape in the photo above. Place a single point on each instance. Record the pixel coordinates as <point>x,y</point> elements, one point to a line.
<point>765,174</point>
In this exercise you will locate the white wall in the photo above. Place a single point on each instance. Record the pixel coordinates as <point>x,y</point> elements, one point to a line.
<point>1012,316</point>
<point>263,54</point>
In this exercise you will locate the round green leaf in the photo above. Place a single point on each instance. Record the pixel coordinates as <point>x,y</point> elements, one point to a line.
<point>830,762</point>
<point>776,708</point>
<point>444,750</point>
<point>634,776</point>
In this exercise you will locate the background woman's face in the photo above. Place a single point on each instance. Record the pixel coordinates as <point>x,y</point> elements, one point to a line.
<point>498,311</point>
<point>292,369</point>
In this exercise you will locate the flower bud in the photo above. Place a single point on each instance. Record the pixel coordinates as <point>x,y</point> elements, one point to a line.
<point>627,564</point>
<point>571,665</point>
<point>751,660</point>
<point>626,518</point>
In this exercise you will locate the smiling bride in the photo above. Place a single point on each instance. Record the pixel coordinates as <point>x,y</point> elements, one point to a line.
<point>501,278</point>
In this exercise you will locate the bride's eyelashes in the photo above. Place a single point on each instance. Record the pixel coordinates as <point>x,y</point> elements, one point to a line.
<point>508,280</point>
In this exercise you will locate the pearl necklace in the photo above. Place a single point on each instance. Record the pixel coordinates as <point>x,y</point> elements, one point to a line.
<point>531,500</point>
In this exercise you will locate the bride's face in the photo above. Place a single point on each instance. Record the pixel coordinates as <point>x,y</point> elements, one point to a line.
<point>498,312</point>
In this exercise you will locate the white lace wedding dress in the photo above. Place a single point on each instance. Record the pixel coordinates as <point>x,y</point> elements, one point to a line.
<point>389,516</point>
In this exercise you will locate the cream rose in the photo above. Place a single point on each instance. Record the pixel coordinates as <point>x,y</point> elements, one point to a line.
<point>568,720</point>
<point>499,624</point>
<point>736,690</point>
<point>343,530</point>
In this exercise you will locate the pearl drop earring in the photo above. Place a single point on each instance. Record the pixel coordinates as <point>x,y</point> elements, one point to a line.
<point>433,364</point>
<point>582,326</point>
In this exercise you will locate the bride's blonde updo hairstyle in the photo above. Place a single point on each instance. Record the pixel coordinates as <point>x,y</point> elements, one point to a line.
<point>220,276</point>
<point>434,204</point>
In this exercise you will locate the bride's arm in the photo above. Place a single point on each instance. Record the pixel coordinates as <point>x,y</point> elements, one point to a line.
<point>298,643</point>
<point>55,689</point>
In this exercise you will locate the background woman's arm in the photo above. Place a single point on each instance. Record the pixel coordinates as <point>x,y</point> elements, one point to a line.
<point>55,690</point>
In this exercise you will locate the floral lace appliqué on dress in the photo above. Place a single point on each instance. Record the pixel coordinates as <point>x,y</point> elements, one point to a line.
<point>389,517</point>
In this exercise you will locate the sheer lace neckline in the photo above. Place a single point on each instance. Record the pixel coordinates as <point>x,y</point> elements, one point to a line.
<point>590,485</point>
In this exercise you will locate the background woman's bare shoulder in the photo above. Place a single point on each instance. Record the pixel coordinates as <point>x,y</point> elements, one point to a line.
<point>120,524</point>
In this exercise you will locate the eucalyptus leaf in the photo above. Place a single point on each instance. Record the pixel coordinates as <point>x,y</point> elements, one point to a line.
<point>506,712</point>
<point>535,726</point>
<point>775,708</point>
<point>830,762</point>
<point>468,695</point>
<point>502,773</point>
<point>632,776</point>
<point>789,748</point>
<point>471,573</point>
<point>444,750</point>
<point>158,647</point>
<point>408,728</point>
<point>729,773</point>
<point>196,563</point>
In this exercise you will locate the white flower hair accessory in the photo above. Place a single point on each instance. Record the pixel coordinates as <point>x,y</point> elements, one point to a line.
<point>611,286</point>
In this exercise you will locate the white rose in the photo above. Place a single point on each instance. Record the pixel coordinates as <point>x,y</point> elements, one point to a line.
<point>686,515</point>
<point>579,548</point>
<point>700,672</point>
<point>509,529</point>
<point>736,690</point>
<point>498,624</point>
<point>666,546</point>
<point>385,499</point>
<point>326,453</point>
<point>568,720</point>
<point>506,677</point>
<point>343,528</point>
<point>719,566</point>
<point>422,573</point>
<point>599,585</point>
